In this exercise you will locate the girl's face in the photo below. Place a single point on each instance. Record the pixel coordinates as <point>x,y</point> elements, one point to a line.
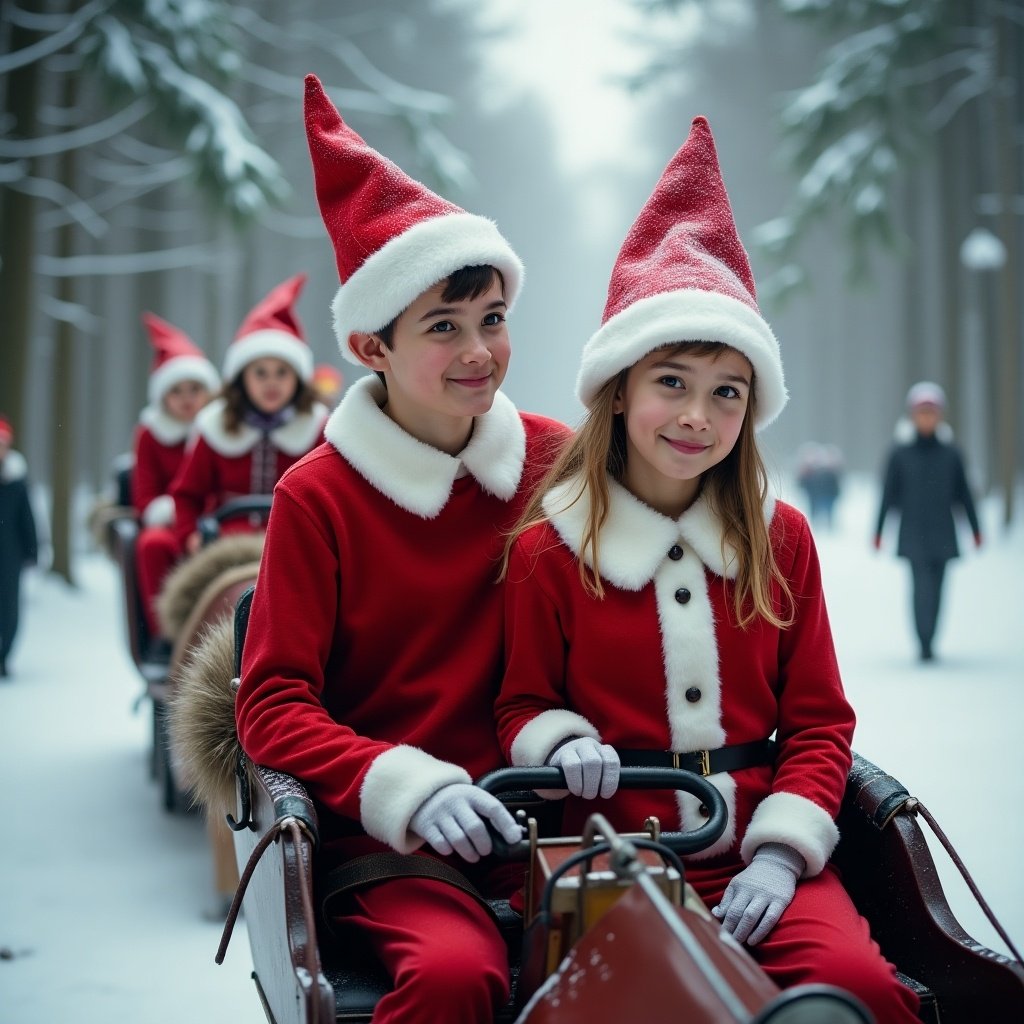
<point>683,413</point>
<point>446,362</point>
<point>185,399</point>
<point>270,384</point>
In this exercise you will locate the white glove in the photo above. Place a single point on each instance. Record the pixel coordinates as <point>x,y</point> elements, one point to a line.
<point>453,819</point>
<point>590,768</point>
<point>760,893</point>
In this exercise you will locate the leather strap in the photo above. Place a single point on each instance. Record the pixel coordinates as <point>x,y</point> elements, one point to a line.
<point>705,762</point>
<point>382,866</point>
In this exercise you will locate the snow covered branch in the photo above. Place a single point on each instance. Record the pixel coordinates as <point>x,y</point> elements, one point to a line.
<point>74,207</point>
<point>127,263</point>
<point>90,135</point>
<point>68,32</point>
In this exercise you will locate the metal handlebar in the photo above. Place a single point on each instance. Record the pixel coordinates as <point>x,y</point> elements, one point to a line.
<point>506,780</point>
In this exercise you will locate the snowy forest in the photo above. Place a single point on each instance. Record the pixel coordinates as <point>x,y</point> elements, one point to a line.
<point>153,159</point>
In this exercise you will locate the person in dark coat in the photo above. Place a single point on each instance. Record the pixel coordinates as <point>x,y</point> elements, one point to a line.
<point>925,482</point>
<point>18,546</point>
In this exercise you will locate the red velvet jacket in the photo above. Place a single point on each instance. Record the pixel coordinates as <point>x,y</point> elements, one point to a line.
<point>219,466</point>
<point>645,669</point>
<point>159,450</point>
<point>374,646</point>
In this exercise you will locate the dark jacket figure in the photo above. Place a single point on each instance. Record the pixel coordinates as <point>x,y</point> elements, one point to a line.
<point>17,539</point>
<point>819,468</point>
<point>925,482</point>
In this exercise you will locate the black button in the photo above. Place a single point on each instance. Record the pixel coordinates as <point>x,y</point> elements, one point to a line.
<point>693,694</point>
<point>675,552</point>
<point>704,811</point>
<point>682,595</point>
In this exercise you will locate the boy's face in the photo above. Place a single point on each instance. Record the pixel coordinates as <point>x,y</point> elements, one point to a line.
<point>446,362</point>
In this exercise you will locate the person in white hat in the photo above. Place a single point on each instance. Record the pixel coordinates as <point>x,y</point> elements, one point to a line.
<point>266,418</point>
<point>925,483</point>
<point>181,381</point>
<point>663,608</point>
<point>373,651</point>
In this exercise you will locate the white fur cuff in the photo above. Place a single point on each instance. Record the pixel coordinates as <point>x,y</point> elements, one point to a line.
<point>395,787</point>
<point>542,734</point>
<point>797,822</point>
<point>159,512</point>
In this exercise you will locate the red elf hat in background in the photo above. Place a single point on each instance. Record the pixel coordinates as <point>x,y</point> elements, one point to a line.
<point>272,329</point>
<point>176,358</point>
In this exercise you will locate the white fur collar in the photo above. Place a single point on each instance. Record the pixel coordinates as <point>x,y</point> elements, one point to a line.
<point>164,427</point>
<point>14,467</point>
<point>417,476</point>
<point>906,433</point>
<point>296,437</point>
<point>635,538</point>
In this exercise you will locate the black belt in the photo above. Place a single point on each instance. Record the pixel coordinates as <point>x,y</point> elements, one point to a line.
<point>704,762</point>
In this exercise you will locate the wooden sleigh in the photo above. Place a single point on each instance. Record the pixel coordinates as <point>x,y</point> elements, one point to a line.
<point>305,976</point>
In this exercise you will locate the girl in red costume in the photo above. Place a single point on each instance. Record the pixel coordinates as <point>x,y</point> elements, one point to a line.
<point>264,421</point>
<point>662,604</point>
<point>180,384</point>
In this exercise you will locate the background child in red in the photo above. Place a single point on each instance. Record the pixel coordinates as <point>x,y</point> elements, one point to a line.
<point>265,420</point>
<point>373,653</point>
<point>660,599</point>
<point>181,382</point>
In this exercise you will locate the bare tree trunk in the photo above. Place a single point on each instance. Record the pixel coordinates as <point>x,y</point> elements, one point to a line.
<point>17,239</point>
<point>913,349</point>
<point>1008,176</point>
<point>952,232</point>
<point>63,437</point>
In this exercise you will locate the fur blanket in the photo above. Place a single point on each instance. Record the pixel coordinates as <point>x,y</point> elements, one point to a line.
<point>187,582</point>
<point>201,718</point>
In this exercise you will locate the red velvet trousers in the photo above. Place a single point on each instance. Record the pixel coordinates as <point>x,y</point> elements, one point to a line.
<point>156,553</point>
<point>821,939</point>
<point>442,949</point>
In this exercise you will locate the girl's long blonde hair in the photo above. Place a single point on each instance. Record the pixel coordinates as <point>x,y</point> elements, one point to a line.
<point>736,488</point>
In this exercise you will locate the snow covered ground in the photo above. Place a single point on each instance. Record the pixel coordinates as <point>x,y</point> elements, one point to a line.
<point>102,892</point>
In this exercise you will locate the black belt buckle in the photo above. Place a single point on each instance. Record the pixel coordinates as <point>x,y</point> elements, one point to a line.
<point>702,759</point>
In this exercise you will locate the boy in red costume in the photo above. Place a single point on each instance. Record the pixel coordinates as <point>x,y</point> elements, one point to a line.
<point>180,384</point>
<point>373,654</point>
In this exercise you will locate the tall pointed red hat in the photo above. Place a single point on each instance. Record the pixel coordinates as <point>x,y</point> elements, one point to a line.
<point>176,358</point>
<point>272,328</point>
<point>393,238</point>
<point>682,274</point>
